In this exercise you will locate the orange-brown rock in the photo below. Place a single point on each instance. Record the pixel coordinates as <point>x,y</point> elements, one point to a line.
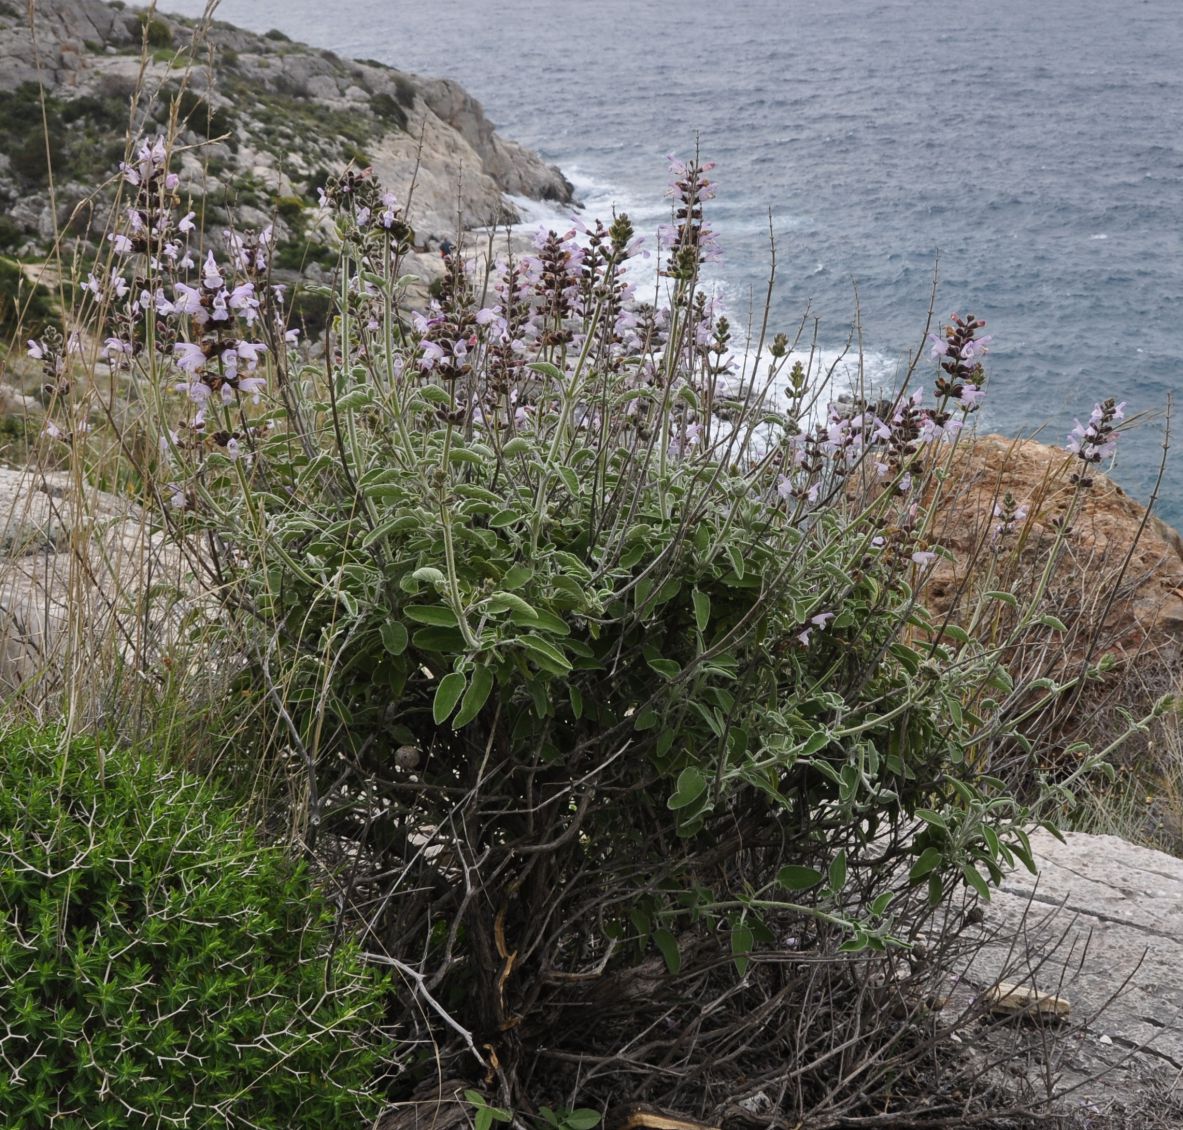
<point>1116,586</point>
<point>1118,564</point>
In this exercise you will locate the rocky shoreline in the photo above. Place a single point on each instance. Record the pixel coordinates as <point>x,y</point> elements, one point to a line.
<point>259,119</point>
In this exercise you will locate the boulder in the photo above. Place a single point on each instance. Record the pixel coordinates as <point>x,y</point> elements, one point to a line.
<point>78,567</point>
<point>1111,540</point>
<point>1100,927</point>
<point>1117,587</point>
<point>415,131</point>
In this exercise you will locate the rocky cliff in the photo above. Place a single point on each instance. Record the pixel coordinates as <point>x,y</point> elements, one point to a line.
<point>260,122</point>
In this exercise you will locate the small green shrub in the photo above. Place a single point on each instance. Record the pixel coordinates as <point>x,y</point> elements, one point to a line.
<point>290,209</point>
<point>161,968</point>
<point>203,118</point>
<point>23,304</point>
<point>386,107</point>
<point>12,235</point>
<point>155,31</point>
<point>404,91</point>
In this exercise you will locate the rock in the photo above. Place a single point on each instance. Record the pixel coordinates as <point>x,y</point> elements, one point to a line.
<point>1025,1003</point>
<point>81,558</point>
<point>1102,926</point>
<point>289,100</point>
<point>1117,587</point>
<point>514,169</point>
<point>13,402</point>
<point>1107,526</point>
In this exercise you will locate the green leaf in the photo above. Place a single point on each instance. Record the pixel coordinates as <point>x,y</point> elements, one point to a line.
<point>881,903</point>
<point>1003,597</point>
<point>475,697</point>
<point>667,668</point>
<point>632,555</point>
<point>645,720</point>
<point>742,940</point>
<point>583,1118</point>
<point>438,639</point>
<point>668,945</point>
<point>933,818</point>
<point>447,694</point>
<point>838,872</point>
<point>429,574</point>
<point>383,530</point>
<point>394,637</point>
<point>354,399</point>
<point>516,446</point>
<point>503,518</point>
<point>795,878</point>
<point>929,860</point>
<point>1053,622</point>
<point>548,622</point>
<point>974,878</point>
<point>463,455</point>
<point>547,370</point>
<point>433,394</point>
<point>576,697</point>
<point>702,609</point>
<point>691,785</point>
<point>545,654</point>
<point>438,615</point>
<point>816,742</point>
<point>505,601</point>
<point>856,944</point>
<point>736,559</point>
<point>516,576</point>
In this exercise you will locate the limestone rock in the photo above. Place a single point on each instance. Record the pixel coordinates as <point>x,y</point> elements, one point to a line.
<point>74,560</point>
<point>289,110</point>
<point>1102,926</point>
<point>1117,588</point>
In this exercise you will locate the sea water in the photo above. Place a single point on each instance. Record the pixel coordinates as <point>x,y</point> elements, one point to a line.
<point>1028,156</point>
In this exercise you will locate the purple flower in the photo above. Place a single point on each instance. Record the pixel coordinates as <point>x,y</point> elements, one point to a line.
<point>432,355</point>
<point>816,623</point>
<point>211,277</point>
<point>188,300</point>
<point>242,298</point>
<point>924,557</point>
<point>186,224</point>
<point>249,352</point>
<point>972,396</point>
<point>189,357</point>
<point>197,391</point>
<point>251,386</point>
<point>975,348</point>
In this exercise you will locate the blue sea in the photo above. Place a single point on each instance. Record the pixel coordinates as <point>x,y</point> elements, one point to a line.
<point>1029,153</point>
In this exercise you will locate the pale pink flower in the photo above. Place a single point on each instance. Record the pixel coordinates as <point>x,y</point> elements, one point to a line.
<point>189,357</point>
